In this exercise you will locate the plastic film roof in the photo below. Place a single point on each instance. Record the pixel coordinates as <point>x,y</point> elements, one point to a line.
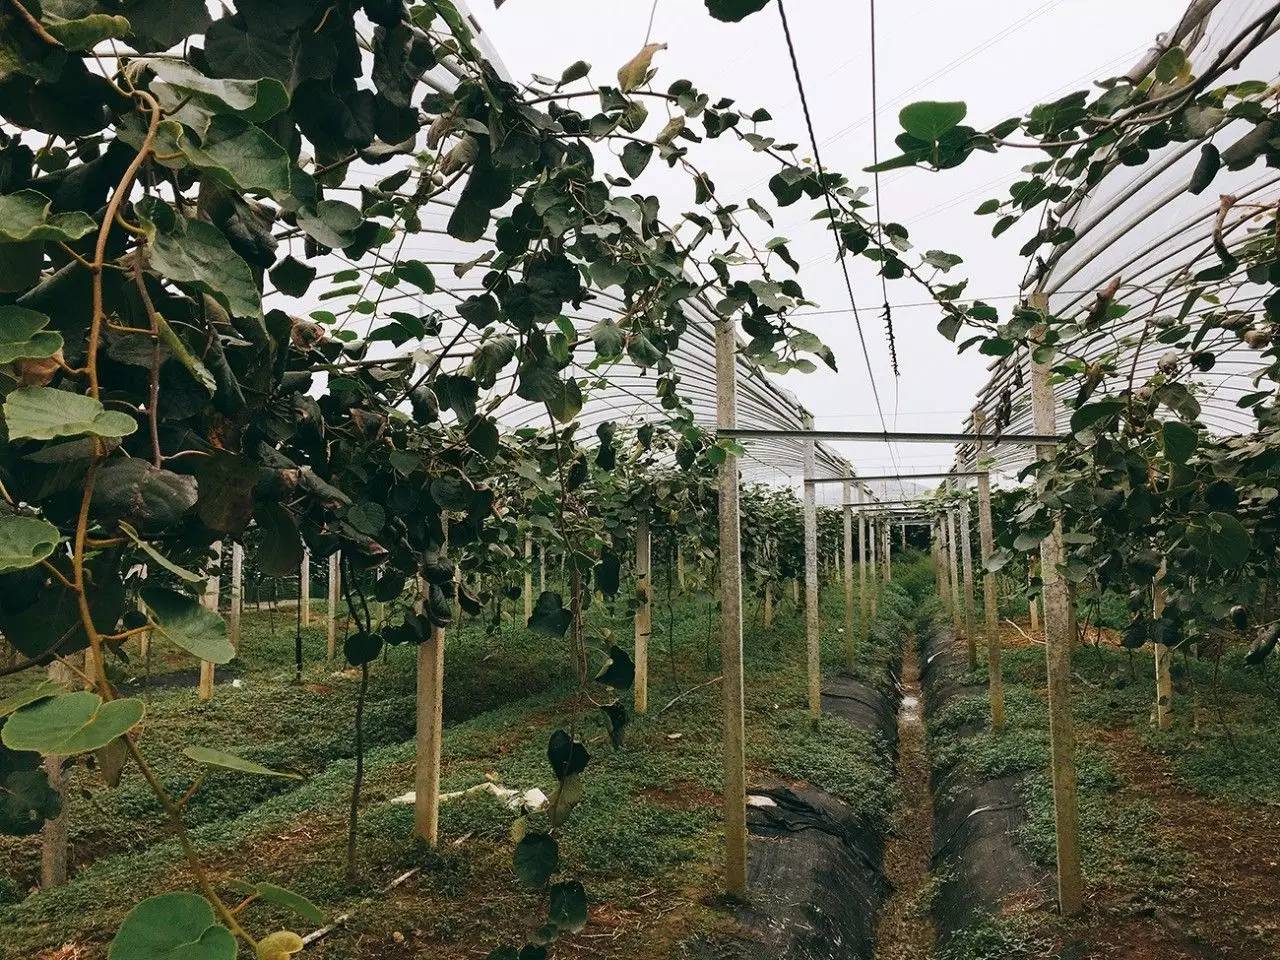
<point>1142,226</point>
<point>619,392</point>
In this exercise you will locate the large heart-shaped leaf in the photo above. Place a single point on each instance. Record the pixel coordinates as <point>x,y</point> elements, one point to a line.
<point>537,857</point>
<point>43,413</point>
<point>928,120</point>
<point>172,926</point>
<point>731,11</point>
<point>71,723</point>
<point>197,254</point>
<point>25,541</point>
<point>240,155</point>
<point>23,335</point>
<point>147,497</point>
<point>184,622</point>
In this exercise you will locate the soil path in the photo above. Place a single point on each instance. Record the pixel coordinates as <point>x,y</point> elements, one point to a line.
<point>905,930</point>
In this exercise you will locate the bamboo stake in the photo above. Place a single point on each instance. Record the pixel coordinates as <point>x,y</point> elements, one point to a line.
<point>887,543</point>
<point>1164,679</point>
<point>849,648</point>
<point>644,613</point>
<point>1057,649</point>
<point>812,642</point>
<point>331,615</point>
<point>735,789</point>
<point>986,537</point>
<point>429,733</point>
<point>680,569</point>
<point>872,536</point>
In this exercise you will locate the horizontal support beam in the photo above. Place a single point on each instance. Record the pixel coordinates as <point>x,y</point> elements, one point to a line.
<point>901,476</point>
<point>747,433</point>
<point>870,504</point>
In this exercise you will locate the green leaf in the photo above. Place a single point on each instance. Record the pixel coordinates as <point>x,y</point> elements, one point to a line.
<point>292,277</point>
<point>229,761</point>
<point>619,672</point>
<point>731,11</point>
<point>149,498</point>
<point>26,799</point>
<point>549,615</point>
<point>928,120</point>
<point>254,100</point>
<point>182,573</point>
<point>185,623</point>
<point>172,926</point>
<point>568,910</point>
<point>537,857</point>
<point>197,254</point>
<point>25,541</point>
<point>452,491</point>
<point>1173,63</point>
<point>417,273</point>
<point>1222,537</point>
<point>25,216</point>
<point>1092,414</point>
<point>85,33</point>
<point>70,723</point>
<point>160,24</point>
<point>280,550</point>
<point>41,691</point>
<point>608,338</point>
<point>233,48</point>
<point>367,517</point>
<point>282,896</point>
<point>1178,440</point>
<point>43,413</point>
<point>241,156</point>
<point>23,337</point>
<point>635,157</point>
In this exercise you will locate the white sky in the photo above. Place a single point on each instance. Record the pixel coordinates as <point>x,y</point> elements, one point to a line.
<point>1000,56</point>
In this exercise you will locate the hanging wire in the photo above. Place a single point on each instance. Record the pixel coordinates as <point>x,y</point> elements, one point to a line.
<point>826,196</point>
<point>875,159</point>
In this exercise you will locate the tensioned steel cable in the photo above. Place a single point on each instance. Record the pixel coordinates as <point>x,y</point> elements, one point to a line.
<point>826,196</point>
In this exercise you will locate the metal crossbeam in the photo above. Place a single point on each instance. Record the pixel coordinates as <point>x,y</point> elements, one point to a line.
<point>900,476</point>
<point>743,433</point>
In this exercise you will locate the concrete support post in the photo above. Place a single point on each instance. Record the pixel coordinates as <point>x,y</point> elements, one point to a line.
<point>849,648</point>
<point>1062,740</point>
<point>304,586</point>
<point>966,570</point>
<point>236,595</point>
<point>528,576</point>
<point>953,569</point>
<point>1164,655</point>
<point>644,613</point>
<point>735,790</point>
<point>331,614</point>
<point>212,589</point>
<point>864,601</point>
<point>429,734</point>
<point>812,642</point>
<point>986,537</point>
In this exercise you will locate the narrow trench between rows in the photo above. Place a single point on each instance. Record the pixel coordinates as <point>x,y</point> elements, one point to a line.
<point>904,930</point>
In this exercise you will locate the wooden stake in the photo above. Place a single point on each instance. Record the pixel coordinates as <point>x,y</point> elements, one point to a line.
<point>331,616</point>
<point>1062,740</point>
<point>1164,679</point>
<point>680,569</point>
<point>812,642</point>
<point>887,543</point>
<point>873,528</point>
<point>966,567</point>
<point>429,732</point>
<point>849,648</point>
<point>735,784</point>
<point>644,612</point>
<point>144,645</point>
<point>53,836</point>
<point>986,537</point>
<point>304,586</point>
<point>528,576</point>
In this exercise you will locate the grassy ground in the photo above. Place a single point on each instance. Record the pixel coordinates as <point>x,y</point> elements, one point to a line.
<point>1178,828</point>
<point>644,840</point>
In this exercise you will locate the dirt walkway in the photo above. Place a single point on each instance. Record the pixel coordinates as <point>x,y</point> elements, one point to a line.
<point>905,930</point>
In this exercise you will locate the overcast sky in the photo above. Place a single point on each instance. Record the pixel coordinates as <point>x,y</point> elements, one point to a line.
<point>999,56</point>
